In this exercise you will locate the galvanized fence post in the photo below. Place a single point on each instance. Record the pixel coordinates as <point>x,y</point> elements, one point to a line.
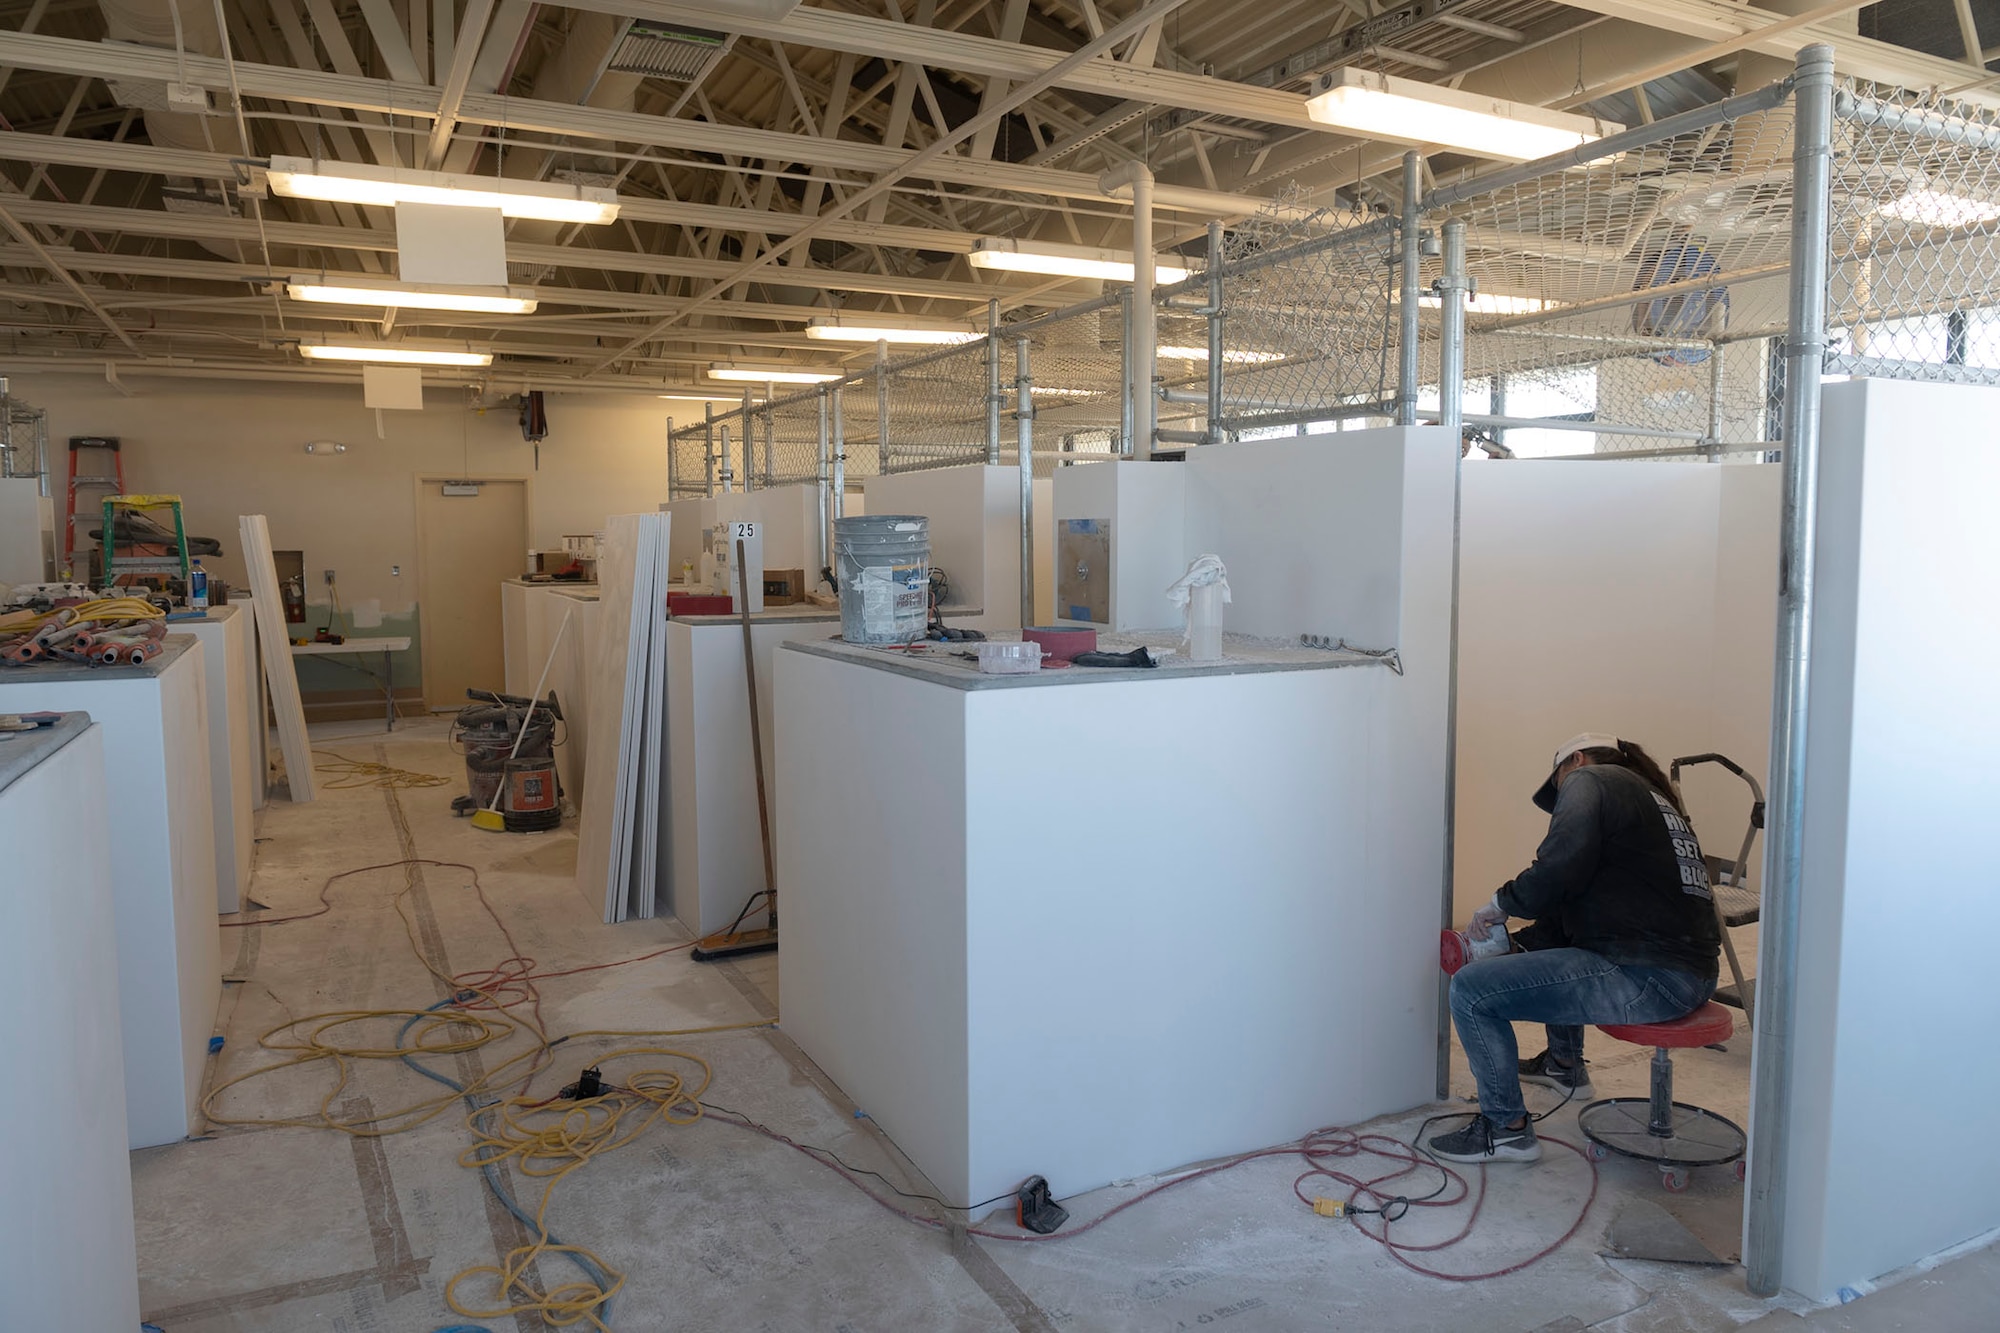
<point>1452,293</point>
<point>1408,368</point>
<point>995,395</point>
<point>1024,418</point>
<point>708,448</point>
<point>1766,1197</point>
<point>1213,311</point>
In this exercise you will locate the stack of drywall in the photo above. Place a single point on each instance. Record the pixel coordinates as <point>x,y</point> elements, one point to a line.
<point>618,861</point>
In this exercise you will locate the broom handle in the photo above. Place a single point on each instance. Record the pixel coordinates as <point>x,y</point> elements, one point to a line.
<point>756,730</point>
<point>534,699</point>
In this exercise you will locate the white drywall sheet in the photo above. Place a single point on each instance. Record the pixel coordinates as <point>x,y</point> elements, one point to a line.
<point>1896,1007</point>
<point>155,729</point>
<point>617,851</point>
<point>67,1255</point>
<point>274,642</point>
<point>932,846</point>
<point>233,724</point>
<point>1635,598</point>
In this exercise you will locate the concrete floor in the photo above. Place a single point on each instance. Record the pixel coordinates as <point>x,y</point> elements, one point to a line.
<point>716,1228</point>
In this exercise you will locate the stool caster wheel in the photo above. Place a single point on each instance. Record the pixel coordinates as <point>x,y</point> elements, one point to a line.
<point>1741,1170</point>
<point>1675,1179</point>
<point>1595,1151</point>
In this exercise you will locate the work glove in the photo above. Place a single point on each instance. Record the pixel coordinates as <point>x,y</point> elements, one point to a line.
<point>1489,916</point>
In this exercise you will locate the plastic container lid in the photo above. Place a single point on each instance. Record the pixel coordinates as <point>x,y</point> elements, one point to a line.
<point>1009,659</point>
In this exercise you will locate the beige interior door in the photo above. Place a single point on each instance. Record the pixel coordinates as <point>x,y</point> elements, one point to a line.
<point>466,545</point>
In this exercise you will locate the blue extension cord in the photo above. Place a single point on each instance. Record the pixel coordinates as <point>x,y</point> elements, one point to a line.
<point>492,1177</point>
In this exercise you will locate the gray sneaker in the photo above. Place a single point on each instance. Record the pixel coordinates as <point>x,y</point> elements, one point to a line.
<point>1574,1080</point>
<point>1483,1141</point>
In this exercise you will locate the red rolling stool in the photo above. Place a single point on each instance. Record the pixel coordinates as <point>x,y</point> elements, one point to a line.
<point>1672,1135</point>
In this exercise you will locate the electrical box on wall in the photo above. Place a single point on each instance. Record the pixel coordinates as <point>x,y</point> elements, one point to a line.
<point>1083,569</point>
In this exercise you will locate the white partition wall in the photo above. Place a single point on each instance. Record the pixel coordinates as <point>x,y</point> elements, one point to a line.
<point>155,725</point>
<point>957,919</point>
<point>1637,598</point>
<point>1896,1007</point>
<point>68,1259</point>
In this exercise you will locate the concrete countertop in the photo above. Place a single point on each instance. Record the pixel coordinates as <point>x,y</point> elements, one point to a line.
<point>803,613</point>
<point>20,751</point>
<point>59,670</point>
<point>1242,655</point>
<point>569,587</point>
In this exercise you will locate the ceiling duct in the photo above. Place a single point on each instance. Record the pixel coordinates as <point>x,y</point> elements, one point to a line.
<point>670,51</point>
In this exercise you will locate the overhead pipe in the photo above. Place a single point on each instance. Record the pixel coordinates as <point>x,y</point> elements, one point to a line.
<point>1766,1196</point>
<point>1145,330</point>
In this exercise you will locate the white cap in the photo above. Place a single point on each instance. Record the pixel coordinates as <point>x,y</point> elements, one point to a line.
<point>1545,795</point>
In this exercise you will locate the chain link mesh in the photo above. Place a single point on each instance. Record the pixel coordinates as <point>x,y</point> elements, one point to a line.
<point>1076,373</point>
<point>1626,303</point>
<point>1914,238</point>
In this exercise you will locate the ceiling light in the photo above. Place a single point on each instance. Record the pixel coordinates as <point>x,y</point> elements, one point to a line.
<point>860,329</point>
<point>1237,355</point>
<point>1383,106</point>
<point>414,296</point>
<point>1065,261</point>
<point>344,183</point>
<point>395,354</point>
<point>1935,208</point>
<point>1055,391</point>
<point>703,396</point>
<point>771,375</point>
<point>1492,303</point>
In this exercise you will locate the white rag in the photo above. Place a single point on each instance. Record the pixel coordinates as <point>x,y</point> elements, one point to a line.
<point>1205,569</point>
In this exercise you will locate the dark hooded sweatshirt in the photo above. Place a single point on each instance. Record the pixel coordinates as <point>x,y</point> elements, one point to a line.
<point>1619,874</point>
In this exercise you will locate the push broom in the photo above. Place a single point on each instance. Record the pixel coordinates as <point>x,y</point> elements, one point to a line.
<point>490,819</point>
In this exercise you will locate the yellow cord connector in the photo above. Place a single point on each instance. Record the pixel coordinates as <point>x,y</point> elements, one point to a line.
<point>1330,1207</point>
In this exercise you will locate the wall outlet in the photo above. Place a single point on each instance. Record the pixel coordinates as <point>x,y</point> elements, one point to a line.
<point>329,578</point>
<point>395,571</point>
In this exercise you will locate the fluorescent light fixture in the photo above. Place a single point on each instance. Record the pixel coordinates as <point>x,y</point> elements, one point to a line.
<point>1056,391</point>
<point>345,183</point>
<point>771,374</point>
<point>1383,106</point>
<point>1492,303</point>
<point>1237,356</point>
<point>1064,261</point>
<point>704,396</point>
<point>1936,208</point>
<point>395,354</point>
<point>868,329</point>
<point>414,296</point>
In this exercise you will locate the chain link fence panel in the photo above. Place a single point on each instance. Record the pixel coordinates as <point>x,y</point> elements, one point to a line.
<point>1913,286</point>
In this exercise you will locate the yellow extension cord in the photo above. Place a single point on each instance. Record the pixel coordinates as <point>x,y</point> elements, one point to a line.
<point>347,774</point>
<point>105,608</point>
<point>546,1139</point>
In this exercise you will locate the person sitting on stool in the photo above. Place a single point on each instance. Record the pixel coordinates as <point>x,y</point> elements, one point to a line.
<point>1624,931</point>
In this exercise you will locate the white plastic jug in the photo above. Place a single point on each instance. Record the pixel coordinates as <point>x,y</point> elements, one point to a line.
<point>1205,622</point>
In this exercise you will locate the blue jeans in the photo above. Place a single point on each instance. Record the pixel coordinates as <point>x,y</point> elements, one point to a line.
<point>1564,988</point>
